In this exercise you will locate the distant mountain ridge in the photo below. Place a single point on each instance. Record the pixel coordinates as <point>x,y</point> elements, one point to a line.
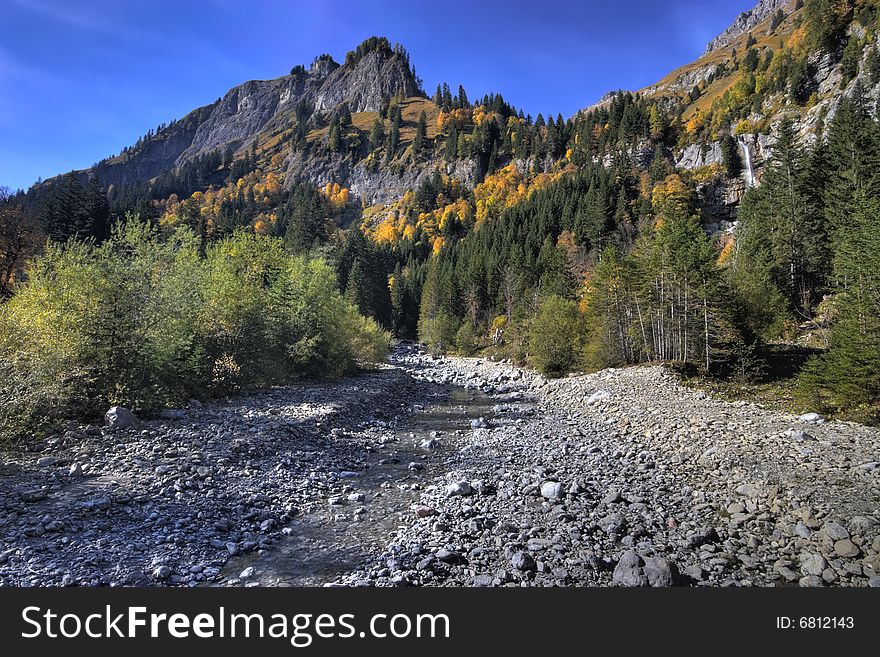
<point>288,118</point>
<point>365,83</point>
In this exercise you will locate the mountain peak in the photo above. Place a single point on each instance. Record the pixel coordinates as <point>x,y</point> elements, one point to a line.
<point>322,66</point>
<point>749,20</point>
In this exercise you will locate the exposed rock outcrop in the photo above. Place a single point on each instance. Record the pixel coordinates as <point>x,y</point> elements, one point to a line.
<point>373,185</point>
<point>748,21</point>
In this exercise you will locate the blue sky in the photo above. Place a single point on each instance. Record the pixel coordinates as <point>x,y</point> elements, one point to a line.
<point>80,79</point>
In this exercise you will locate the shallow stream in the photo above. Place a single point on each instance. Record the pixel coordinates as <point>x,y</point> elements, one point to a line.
<point>334,540</point>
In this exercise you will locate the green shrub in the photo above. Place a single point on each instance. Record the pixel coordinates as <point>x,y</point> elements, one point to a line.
<point>555,337</point>
<point>466,339</point>
<point>96,326</point>
<point>438,331</point>
<point>146,322</point>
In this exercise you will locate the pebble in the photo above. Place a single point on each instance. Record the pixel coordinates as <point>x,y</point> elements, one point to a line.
<point>459,488</point>
<point>162,573</point>
<point>846,548</point>
<point>551,490</point>
<point>523,561</point>
<point>629,572</point>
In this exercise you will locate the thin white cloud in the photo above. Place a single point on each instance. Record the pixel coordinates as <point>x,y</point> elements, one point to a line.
<point>88,18</point>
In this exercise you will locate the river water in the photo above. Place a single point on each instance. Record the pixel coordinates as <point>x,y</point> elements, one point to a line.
<point>334,540</point>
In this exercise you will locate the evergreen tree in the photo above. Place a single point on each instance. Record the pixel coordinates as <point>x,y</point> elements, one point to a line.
<point>334,141</point>
<point>303,220</point>
<point>850,60</point>
<point>377,134</point>
<point>848,375</point>
<point>421,132</point>
<point>447,96</point>
<point>97,210</point>
<point>344,116</point>
<point>64,212</point>
<point>393,139</point>
<point>851,158</point>
<point>730,156</point>
<point>452,144</point>
<point>781,219</point>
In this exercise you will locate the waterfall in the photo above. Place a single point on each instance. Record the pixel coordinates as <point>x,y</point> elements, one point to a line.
<point>750,172</point>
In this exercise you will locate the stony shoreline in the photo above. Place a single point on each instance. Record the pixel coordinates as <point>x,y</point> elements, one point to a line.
<point>619,478</point>
<point>628,478</point>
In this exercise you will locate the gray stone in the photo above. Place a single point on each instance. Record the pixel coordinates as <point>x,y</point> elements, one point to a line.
<point>47,461</point>
<point>811,418</point>
<point>614,523</point>
<point>813,564</point>
<point>613,497</point>
<point>861,525</point>
<point>482,581</point>
<point>787,574</point>
<point>483,487</point>
<point>423,511</point>
<point>811,581</point>
<point>459,488</point>
<point>846,549</point>
<point>659,572</point>
<point>425,564</point>
<point>523,561</point>
<point>802,530</point>
<point>835,531</point>
<point>750,491</point>
<point>695,572</point>
<point>551,490</point>
<point>119,417</point>
<point>702,536</point>
<point>162,573</point>
<point>628,571</point>
<point>448,556</point>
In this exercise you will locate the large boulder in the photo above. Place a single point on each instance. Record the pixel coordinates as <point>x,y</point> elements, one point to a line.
<point>119,417</point>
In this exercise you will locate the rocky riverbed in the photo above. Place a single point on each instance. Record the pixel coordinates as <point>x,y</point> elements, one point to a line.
<point>452,472</point>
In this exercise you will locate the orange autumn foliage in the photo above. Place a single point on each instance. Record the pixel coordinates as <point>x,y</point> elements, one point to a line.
<point>337,195</point>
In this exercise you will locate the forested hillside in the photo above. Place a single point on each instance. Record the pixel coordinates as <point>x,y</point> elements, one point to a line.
<point>727,209</point>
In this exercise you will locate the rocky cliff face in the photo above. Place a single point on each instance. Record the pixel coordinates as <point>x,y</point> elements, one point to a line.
<point>748,21</point>
<point>375,186</point>
<point>364,85</point>
<point>155,155</point>
<point>368,85</point>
